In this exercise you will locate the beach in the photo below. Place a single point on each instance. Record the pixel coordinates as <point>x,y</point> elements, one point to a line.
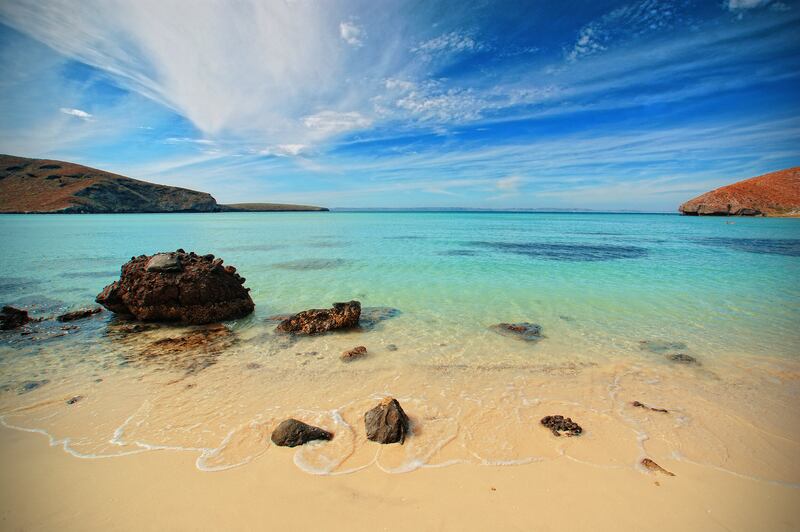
<point>666,338</point>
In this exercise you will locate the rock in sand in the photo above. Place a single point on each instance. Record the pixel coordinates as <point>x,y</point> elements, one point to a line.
<point>387,422</point>
<point>291,433</point>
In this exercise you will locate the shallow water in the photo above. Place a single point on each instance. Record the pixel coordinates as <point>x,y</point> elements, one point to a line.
<point>616,296</point>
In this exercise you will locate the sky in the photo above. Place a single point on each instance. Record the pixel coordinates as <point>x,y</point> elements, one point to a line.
<point>483,104</point>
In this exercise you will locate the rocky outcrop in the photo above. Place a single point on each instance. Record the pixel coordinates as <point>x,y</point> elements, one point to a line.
<point>178,286</point>
<point>562,425</point>
<point>79,314</point>
<point>529,332</point>
<point>352,354</point>
<point>11,318</point>
<point>387,422</point>
<point>47,186</point>
<point>291,433</point>
<point>773,194</point>
<point>315,321</point>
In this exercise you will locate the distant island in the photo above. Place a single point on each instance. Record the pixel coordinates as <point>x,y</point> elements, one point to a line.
<point>49,186</point>
<point>773,194</point>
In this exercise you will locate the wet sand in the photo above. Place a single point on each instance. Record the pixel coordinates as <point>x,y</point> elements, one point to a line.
<point>45,489</point>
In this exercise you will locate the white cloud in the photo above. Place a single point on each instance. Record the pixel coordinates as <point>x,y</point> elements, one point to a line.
<point>509,184</point>
<point>284,150</point>
<point>453,42</point>
<point>187,140</point>
<point>735,5</point>
<point>83,115</point>
<point>333,122</point>
<point>351,33</point>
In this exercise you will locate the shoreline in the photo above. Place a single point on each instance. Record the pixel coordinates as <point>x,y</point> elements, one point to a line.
<point>162,489</point>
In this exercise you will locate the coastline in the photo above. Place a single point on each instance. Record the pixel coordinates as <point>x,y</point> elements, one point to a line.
<point>159,490</point>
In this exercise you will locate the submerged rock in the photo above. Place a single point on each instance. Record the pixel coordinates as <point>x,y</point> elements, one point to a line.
<point>190,352</point>
<point>560,424</point>
<point>661,346</point>
<point>352,354</point>
<point>79,314</point>
<point>74,400</point>
<point>530,332</point>
<point>387,422</point>
<point>178,286</point>
<point>11,318</point>
<point>314,321</point>
<point>654,467</point>
<point>637,404</point>
<point>291,433</point>
<point>29,386</point>
<point>683,358</point>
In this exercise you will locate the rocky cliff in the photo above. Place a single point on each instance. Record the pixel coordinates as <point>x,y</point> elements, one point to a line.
<point>773,194</point>
<point>45,186</point>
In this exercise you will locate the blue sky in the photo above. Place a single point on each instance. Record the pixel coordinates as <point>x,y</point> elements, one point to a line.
<point>588,104</point>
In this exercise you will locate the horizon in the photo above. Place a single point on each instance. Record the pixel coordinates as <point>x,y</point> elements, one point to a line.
<point>606,106</point>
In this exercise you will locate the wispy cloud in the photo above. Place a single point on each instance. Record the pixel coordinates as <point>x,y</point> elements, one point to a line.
<point>78,113</point>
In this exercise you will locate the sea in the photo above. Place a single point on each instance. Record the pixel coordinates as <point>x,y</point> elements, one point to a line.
<point>699,316</point>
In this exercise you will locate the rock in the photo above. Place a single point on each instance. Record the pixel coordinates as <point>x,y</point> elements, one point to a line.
<point>371,317</point>
<point>166,262</point>
<point>314,321</point>
<point>11,318</point>
<point>74,399</point>
<point>773,194</point>
<point>29,386</point>
<point>352,354</point>
<point>559,424</point>
<point>202,291</point>
<point>291,433</point>
<point>391,347</point>
<point>683,358</point>
<point>637,404</point>
<point>654,467</point>
<point>530,332</point>
<point>191,352</point>
<point>387,423</point>
<point>79,314</point>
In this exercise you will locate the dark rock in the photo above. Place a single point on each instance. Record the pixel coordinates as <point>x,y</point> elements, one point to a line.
<point>29,386</point>
<point>74,400</point>
<point>200,292</point>
<point>683,358</point>
<point>559,424</point>
<point>371,317</point>
<point>352,354</point>
<point>387,423</point>
<point>79,314</point>
<point>654,467</point>
<point>11,318</point>
<point>291,433</point>
<point>637,404</point>
<point>530,332</point>
<point>341,316</point>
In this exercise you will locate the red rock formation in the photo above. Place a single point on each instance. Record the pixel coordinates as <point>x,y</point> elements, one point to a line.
<point>774,194</point>
<point>178,286</point>
<point>314,321</point>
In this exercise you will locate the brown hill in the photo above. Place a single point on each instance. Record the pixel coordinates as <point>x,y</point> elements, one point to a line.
<point>46,186</point>
<point>773,194</point>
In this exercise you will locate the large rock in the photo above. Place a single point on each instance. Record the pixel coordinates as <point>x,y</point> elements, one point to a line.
<point>291,433</point>
<point>178,286</point>
<point>386,423</point>
<point>314,321</point>
<point>773,194</point>
<point>11,318</point>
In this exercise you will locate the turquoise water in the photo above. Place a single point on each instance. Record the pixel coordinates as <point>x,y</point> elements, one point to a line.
<point>594,281</point>
<point>615,295</point>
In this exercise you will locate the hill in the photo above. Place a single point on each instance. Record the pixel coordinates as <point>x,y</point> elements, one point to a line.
<point>48,186</point>
<point>773,194</point>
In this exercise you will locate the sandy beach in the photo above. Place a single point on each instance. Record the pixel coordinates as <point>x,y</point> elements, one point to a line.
<point>45,489</point>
